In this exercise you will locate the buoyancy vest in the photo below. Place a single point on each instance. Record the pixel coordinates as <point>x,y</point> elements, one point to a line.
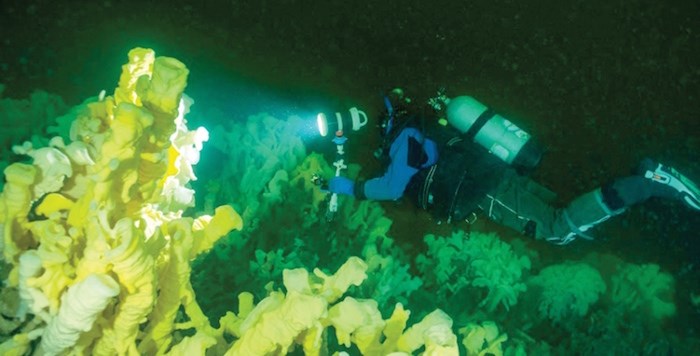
<point>461,179</point>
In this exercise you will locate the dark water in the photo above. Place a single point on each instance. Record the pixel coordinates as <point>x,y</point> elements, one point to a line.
<point>601,83</point>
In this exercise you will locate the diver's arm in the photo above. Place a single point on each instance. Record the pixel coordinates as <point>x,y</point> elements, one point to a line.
<point>392,184</point>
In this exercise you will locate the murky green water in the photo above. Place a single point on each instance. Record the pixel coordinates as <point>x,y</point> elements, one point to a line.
<point>601,83</point>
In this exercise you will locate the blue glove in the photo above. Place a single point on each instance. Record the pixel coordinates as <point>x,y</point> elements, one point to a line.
<point>341,185</point>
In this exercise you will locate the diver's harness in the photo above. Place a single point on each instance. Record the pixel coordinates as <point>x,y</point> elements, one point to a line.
<point>425,198</point>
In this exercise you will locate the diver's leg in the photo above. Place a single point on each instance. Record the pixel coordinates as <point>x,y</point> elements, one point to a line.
<point>518,203</point>
<point>582,214</point>
<point>521,204</point>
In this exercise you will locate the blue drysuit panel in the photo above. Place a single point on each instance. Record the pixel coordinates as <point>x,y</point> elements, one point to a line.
<point>392,184</point>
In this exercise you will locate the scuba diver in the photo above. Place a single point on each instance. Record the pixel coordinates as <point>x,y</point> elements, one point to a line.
<point>476,160</point>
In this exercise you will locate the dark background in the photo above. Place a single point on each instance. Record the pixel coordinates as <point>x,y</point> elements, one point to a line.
<point>601,83</point>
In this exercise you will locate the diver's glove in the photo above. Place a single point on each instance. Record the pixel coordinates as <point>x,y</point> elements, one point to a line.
<point>341,185</point>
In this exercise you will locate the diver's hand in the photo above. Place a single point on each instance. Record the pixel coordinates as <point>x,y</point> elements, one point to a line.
<point>341,185</point>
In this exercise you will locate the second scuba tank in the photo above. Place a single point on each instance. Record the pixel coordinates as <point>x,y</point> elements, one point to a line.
<point>497,134</point>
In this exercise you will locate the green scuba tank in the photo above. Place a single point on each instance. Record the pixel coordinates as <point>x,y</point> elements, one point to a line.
<point>498,135</point>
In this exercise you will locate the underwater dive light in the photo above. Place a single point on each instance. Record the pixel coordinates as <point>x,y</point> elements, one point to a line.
<point>356,121</point>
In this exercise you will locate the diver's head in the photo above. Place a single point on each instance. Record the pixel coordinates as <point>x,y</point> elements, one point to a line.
<point>396,107</point>
<point>396,101</point>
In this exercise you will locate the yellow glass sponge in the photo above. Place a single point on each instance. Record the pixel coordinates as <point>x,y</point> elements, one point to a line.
<point>394,327</point>
<point>80,307</point>
<point>163,90</point>
<point>31,298</point>
<point>231,322</point>
<point>279,320</point>
<point>16,200</point>
<point>358,322</point>
<point>302,316</point>
<point>434,331</point>
<point>54,166</point>
<point>276,329</point>
<point>54,252</point>
<point>109,215</point>
<point>52,203</point>
<point>352,272</point>
<point>140,63</point>
<point>209,229</point>
<point>483,339</point>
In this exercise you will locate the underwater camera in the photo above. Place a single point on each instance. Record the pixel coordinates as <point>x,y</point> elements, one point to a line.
<point>355,121</point>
